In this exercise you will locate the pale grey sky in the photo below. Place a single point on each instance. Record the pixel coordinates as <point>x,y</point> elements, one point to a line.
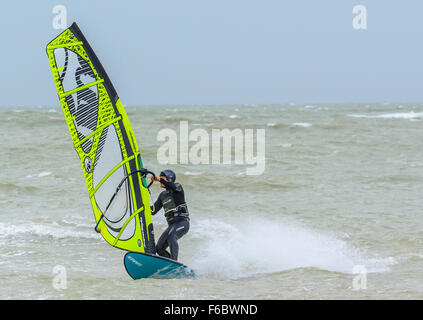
<point>223,51</point>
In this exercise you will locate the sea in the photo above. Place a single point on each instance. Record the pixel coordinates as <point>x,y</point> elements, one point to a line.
<point>335,211</point>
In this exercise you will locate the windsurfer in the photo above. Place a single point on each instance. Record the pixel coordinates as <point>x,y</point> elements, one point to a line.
<point>172,200</point>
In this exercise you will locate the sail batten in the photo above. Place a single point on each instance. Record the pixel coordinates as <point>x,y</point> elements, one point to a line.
<point>65,94</point>
<point>104,141</point>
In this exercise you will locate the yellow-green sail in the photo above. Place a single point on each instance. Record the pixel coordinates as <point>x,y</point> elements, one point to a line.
<point>105,143</point>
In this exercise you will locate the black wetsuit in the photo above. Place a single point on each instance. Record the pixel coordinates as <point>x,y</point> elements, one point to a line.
<point>172,200</point>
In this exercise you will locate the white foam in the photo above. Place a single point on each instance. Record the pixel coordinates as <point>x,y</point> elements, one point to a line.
<point>234,116</point>
<point>302,124</point>
<point>41,229</point>
<point>189,173</point>
<point>398,115</point>
<point>229,251</point>
<point>40,175</point>
<point>44,174</point>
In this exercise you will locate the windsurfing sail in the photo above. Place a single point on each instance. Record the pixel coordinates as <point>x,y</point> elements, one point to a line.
<point>105,143</point>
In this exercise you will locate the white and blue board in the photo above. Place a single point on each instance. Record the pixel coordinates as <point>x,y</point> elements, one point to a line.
<point>142,265</point>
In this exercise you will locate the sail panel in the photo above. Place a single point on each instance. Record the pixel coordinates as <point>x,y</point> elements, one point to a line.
<point>104,141</point>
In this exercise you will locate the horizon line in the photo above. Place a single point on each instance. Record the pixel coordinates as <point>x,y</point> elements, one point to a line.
<point>291,104</point>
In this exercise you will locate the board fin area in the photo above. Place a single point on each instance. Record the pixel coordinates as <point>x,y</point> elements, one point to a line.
<point>141,265</point>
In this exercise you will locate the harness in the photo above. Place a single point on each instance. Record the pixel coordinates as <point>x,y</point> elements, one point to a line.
<point>179,211</point>
<point>171,209</point>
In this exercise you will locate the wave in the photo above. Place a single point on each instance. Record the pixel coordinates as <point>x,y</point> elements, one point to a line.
<point>39,175</point>
<point>53,230</point>
<point>399,115</point>
<point>275,125</point>
<point>302,124</point>
<point>191,173</point>
<point>10,187</point>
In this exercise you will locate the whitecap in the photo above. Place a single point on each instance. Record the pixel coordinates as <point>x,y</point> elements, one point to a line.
<point>302,124</point>
<point>39,229</point>
<point>400,115</point>
<point>40,175</point>
<point>189,173</point>
<point>44,174</point>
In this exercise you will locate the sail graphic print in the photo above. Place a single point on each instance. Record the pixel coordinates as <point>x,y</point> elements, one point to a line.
<point>104,141</point>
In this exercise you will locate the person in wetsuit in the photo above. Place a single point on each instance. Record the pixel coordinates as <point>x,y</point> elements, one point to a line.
<point>172,200</point>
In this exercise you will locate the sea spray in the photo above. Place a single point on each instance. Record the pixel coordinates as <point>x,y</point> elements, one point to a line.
<point>247,248</point>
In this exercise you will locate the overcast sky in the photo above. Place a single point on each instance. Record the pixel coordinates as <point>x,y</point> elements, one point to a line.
<point>223,51</point>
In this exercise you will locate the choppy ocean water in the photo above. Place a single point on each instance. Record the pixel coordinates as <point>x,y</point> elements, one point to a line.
<point>336,214</point>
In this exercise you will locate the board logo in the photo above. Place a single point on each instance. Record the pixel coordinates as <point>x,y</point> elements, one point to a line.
<point>88,164</point>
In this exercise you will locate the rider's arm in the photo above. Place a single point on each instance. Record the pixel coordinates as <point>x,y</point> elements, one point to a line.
<point>171,185</point>
<point>157,206</point>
